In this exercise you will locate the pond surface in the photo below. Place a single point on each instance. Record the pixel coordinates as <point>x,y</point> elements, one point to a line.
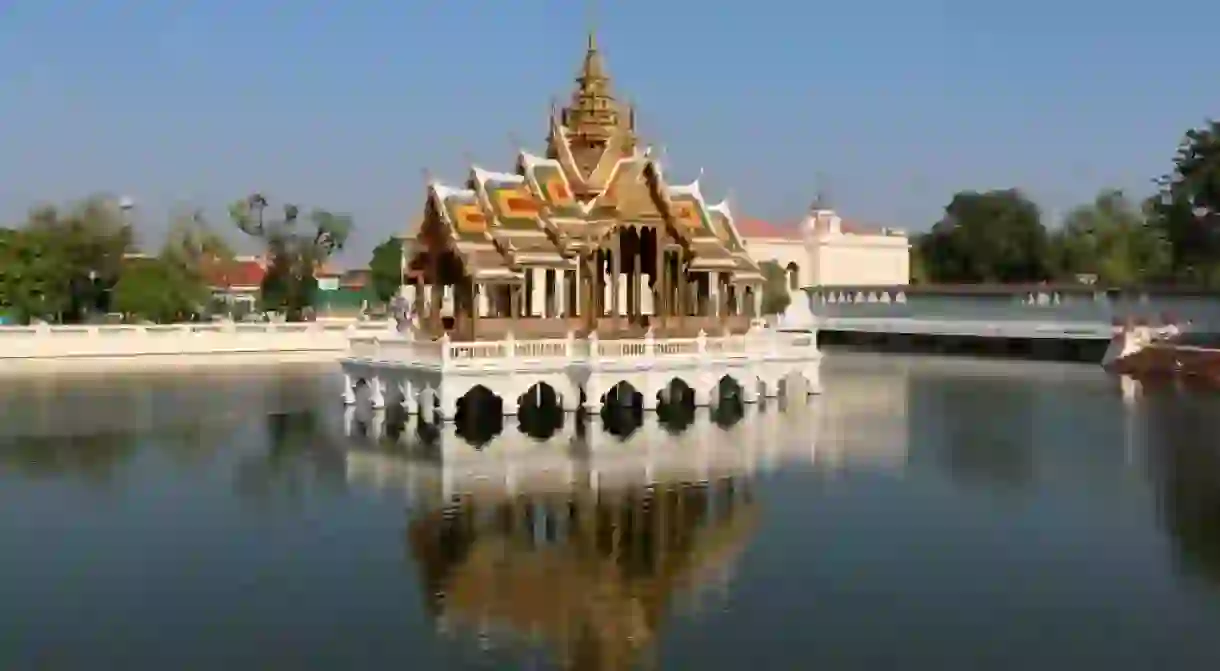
<point>925,512</point>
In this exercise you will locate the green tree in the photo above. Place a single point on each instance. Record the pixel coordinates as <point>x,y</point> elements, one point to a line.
<point>386,269</point>
<point>90,240</point>
<point>294,252</point>
<point>156,290</point>
<point>191,248</point>
<point>1187,207</point>
<point>1111,239</point>
<point>993,236</point>
<point>192,245</point>
<point>775,288</point>
<point>33,276</point>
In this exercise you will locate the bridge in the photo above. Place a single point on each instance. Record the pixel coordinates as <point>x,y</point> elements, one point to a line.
<point>1068,321</point>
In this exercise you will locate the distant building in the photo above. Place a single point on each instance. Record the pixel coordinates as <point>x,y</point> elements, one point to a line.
<point>238,280</point>
<point>825,250</point>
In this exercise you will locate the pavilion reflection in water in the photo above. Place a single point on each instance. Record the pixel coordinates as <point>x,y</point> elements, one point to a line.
<point>584,554</point>
<point>587,541</point>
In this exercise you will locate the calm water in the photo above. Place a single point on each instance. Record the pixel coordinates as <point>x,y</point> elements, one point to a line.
<point>928,513</point>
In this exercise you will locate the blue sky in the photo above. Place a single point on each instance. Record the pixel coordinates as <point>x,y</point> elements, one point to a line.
<point>891,105</point>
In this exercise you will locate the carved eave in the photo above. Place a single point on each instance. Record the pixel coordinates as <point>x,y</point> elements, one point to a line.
<point>654,174</point>
<point>562,151</point>
<point>748,271</point>
<point>611,156</point>
<point>554,216</point>
<point>521,233</point>
<point>459,231</point>
<point>710,254</point>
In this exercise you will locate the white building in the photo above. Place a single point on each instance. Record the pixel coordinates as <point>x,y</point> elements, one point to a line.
<point>825,250</point>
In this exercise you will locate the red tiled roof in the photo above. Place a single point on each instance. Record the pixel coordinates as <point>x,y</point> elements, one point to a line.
<point>247,272</point>
<point>757,228</point>
<point>357,278</point>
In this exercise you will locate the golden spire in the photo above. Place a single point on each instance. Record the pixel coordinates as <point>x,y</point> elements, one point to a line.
<point>594,70</point>
<point>593,112</point>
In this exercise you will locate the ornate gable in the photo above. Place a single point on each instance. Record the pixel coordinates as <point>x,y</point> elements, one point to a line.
<point>508,199</point>
<point>552,187</point>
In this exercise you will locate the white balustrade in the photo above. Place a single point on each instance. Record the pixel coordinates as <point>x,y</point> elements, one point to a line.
<point>133,341</point>
<point>444,352</point>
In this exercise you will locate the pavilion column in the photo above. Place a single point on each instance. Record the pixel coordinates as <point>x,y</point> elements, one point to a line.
<point>658,281</point>
<point>514,304</point>
<point>475,304</point>
<point>616,273</point>
<point>539,294</point>
<point>588,308</point>
<point>683,293</point>
<point>438,294</point>
<point>637,286</point>
<point>481,308</point>
<point>574,293</point>
<point>553,277</point>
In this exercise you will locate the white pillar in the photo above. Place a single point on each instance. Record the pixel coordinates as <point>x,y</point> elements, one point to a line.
<point>481,301</point>
<point>607,292</point>
<point>539,292</point>
<point>647,304</point>
<point>576,286</point>
<point>713,293</point>
<point>561,285</point>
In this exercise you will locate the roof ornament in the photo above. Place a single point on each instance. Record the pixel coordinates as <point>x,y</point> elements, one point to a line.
<point>821,200</point>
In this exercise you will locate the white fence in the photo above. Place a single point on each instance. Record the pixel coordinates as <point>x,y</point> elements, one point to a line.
<point>177,340</point>
<point>404,349</point>
<point>971,327</point>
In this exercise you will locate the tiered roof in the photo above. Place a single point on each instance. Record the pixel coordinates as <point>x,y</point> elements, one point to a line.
<point>592,179</point>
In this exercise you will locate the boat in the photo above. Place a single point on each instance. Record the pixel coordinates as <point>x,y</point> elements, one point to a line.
<point>1168,349</point>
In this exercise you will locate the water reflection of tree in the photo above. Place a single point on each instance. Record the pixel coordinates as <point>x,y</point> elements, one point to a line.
<point>984,425</point>
<point>298,455</point>
<point>593,572</point>
<point>94,458</point>
<point>1184,460</point>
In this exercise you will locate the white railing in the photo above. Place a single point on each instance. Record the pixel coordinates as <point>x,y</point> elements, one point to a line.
<point>54,331</point>
<point>406,348</point>
<point>128,340</point>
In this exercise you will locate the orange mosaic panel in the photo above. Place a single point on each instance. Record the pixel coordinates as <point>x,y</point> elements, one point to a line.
<point>469,218</point>
<point>687,212</point>
<point>515,203</point>
<point>554,188</point>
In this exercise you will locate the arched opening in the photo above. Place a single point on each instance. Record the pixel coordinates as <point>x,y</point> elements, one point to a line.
<point>793,272</point>
<point>622,409</point>
<point>676,406</point>
<point>539,414</point>
<point>480,416</point>
<point>730,406</point>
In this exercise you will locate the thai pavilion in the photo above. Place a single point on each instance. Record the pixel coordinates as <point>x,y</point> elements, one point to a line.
<point>585,245</point>
<point>588,237</point>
